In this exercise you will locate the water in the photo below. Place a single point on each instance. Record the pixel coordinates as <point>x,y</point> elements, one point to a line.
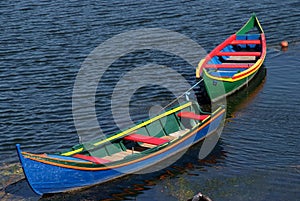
<point>43,46</point>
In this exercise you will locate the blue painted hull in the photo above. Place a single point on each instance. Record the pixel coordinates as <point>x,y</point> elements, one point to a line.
<point>46,178</point>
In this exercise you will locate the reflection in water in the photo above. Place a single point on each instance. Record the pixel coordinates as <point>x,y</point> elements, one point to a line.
<point>247,94</point>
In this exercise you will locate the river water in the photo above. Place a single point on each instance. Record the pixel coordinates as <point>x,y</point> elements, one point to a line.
<point>43,47</point>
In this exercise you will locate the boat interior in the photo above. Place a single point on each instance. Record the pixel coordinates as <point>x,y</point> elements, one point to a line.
<point>237,56</point>
<point>153,135</point>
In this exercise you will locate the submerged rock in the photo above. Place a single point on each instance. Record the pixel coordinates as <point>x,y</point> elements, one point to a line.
<point>200,197</point>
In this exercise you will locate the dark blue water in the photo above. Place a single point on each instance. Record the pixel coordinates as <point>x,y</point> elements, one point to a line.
<point>43,46</point>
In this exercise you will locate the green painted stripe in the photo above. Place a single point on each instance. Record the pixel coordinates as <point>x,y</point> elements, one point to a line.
<point>251,23</point>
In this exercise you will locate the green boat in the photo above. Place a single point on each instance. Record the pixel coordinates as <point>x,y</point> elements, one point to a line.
<point>233,63</point>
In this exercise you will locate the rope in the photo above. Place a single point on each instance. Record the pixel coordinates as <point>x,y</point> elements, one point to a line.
<point>186,93</point>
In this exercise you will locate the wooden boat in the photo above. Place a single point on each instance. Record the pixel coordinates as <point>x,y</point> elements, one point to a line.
<point>125,152</point>
<point>233,63</point>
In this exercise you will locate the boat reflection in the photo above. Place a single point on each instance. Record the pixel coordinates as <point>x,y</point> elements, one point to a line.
<point>247,94</point>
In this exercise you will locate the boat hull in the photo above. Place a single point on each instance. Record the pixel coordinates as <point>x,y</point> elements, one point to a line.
<point>47,178</point>
<point>217,89</point>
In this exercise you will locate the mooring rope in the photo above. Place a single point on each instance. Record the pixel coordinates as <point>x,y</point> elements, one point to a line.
<point>186,93</point>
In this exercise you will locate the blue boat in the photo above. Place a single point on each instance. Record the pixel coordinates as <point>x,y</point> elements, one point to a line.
<point>141,146</point>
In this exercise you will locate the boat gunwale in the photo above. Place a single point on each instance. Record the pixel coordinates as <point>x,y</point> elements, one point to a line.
<point>106,166</point>
<point>240,75</point>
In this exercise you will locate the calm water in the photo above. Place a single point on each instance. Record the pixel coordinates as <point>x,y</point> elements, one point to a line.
<point>43,46</point>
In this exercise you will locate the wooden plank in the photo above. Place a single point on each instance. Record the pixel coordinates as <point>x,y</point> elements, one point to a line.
<point>117,156</point>
<point>240,58</point>
<point>146,145</point>
<point>179,133</point>
<point>240,42</point>
<point>192,115</point>
<point>227,65</point>
<point>146,139</point>
<point>169,138</point>
<point>238,53</point>
<point>92,158</point>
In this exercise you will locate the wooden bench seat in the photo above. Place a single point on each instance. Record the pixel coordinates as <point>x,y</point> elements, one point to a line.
<point>238,42</point>
<point>145,139</point>
<point>91,158</point>
<point>228,65</point>
<point>239,53</point>
<point>240,58</point>
<point>192,115</point>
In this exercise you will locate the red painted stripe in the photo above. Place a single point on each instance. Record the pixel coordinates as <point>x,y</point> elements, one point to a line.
<point>192,115</point>
<point>228,65</point>
<point>264,50</point>
<point>246,73</point>
<point>216,50</point>
<point>238,42</point>
<point>238,53</point>
<point>91,158</point>
<point>146,139</point>
<point>220,47</point>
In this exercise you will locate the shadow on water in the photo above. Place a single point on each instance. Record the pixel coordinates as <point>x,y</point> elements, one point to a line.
<point>14,186</point>
<point>22,189</point>
<point>241,97</point>
<point>244,96</point>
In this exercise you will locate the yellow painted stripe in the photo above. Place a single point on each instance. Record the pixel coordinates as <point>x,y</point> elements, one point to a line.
<point>216,78</point>
<point>259,25</point>
<point>72,152</point>
<point>132,129</point>
<point>144,123</point>
<point>198,69</point>
<point>256,65</point>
